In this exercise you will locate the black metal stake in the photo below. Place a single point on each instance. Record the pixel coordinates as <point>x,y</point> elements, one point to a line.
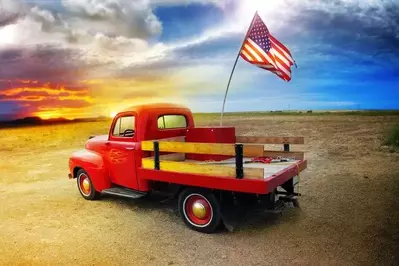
<point>286,147</point>
<point>156,155</point>
<point>239,161</point>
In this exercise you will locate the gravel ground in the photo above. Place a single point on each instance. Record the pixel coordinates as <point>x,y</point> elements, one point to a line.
<point>349,209</point>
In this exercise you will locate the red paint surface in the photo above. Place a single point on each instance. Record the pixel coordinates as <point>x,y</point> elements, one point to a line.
<point>210,135</point>
<point>93,164</point>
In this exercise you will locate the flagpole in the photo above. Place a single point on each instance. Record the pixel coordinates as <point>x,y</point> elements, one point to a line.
<point>234,67</point>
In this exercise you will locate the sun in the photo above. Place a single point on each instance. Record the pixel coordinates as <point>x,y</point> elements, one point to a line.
<point>113,114</point>
<point>48,114</point>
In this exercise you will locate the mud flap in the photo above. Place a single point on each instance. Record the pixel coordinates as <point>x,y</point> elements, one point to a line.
<point>230,214</point>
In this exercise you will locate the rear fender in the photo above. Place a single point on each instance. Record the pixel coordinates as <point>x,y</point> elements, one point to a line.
<point>94,165</point>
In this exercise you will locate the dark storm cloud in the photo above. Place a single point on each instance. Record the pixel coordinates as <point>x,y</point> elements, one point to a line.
<point>9,55</point>
<point>43,62</point>
<point>8,19</point>
<point>372,30</point>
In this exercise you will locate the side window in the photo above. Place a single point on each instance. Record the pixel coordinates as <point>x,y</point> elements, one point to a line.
<point>172,121</point>
<point>124,127</point>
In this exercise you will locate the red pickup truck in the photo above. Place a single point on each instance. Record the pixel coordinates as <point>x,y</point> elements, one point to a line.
<point>156,147</point>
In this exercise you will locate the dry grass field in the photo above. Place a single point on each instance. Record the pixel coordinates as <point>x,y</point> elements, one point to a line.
<point>349,209</point>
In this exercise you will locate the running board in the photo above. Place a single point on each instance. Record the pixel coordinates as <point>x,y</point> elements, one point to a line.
<point>123,192</point>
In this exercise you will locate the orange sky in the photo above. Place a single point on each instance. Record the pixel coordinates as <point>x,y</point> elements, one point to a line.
<point>89,98</point>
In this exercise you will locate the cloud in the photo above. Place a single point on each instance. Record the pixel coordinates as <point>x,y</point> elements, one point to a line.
<point>8,19</point>
<point>105,35</point>
<point>131,19</point>
<point>52,51</point>
<point>41,62</point>
<point>100,46</point>
<point>220,3</point>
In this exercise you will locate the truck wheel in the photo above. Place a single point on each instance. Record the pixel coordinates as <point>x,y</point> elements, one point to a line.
<point>85,186</point>
<point>199,209</point>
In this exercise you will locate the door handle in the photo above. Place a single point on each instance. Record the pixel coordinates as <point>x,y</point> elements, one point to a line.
<point>129,148</point>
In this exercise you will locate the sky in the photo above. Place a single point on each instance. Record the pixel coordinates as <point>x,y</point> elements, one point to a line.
<point>85,58</point>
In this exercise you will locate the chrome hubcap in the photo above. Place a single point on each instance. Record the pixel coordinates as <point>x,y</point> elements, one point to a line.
<point>199,210</point>
<point>86,184</point>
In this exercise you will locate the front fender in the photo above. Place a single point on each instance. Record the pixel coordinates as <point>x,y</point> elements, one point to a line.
<point>94,165</point>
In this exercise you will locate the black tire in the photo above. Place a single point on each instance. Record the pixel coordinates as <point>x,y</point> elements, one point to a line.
<point>206,196</point>
<point>88,195</point>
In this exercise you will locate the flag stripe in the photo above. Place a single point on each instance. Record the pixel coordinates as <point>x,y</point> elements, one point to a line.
<point>281,58</point>
<point>252,52</point>
<point>246,55</point>
<point>265,66</point>
<point>257,49</point>
<point>279,44</point>
<point>283,69</point>
<point>279,64</point>
<point>261,52</point>
<point>282,48</point>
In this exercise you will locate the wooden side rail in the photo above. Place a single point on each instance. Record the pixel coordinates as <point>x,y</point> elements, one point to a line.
<point>286,141</point>
<point>213,170</point>
<point>270,140</point>
<point>250,150</point>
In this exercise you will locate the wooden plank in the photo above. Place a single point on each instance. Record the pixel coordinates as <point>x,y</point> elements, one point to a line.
<point>270,140</point>
<point>148,145</point>
<point>298,155</point>
<point>253,150</point>
<point>212,170</point>
<point>176,157</point>
<point>250,150</point>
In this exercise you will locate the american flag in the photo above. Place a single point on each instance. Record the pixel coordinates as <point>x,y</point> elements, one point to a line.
<point>263,50</point>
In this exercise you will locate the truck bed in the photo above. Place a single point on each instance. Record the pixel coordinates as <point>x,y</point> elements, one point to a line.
<point>236,173</point>
<point>268,169</point>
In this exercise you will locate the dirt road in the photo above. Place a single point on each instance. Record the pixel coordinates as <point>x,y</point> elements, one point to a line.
<point>349,210</point>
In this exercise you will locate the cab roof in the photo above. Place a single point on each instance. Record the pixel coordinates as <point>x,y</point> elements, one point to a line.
<point>143,107</point>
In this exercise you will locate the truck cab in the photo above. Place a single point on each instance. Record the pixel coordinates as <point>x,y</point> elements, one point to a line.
<point>114,158</point>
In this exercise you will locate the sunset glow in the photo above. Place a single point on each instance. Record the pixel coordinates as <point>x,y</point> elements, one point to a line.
<point>86,98</point>
<point>49,114</point>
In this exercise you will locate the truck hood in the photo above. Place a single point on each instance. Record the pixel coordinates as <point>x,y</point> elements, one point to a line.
<point>98,138</point>
<point>96,143</point>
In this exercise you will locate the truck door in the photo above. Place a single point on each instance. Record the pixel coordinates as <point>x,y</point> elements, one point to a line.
<point>122,148</point>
